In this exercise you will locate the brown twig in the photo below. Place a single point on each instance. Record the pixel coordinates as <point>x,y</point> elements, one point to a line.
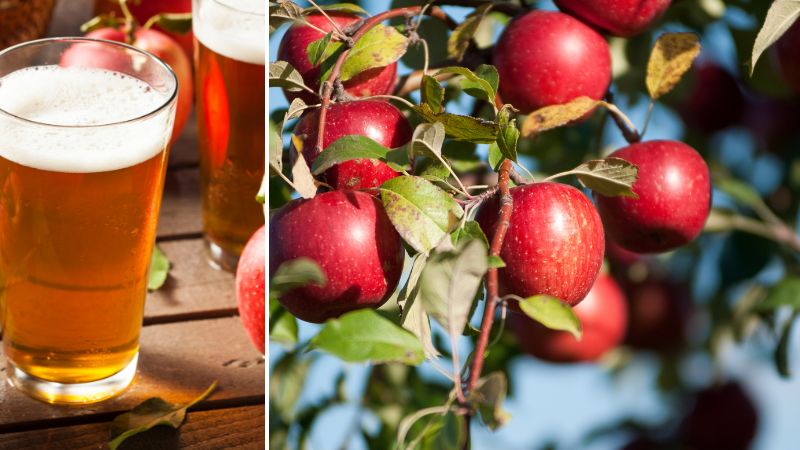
<point>629,132</point>
<point>492,286</point>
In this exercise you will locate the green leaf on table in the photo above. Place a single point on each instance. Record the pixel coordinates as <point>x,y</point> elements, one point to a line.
<point>465,128</point>
<point>610,177</point>
<point>348,148</point>
<point>379,47</point>
<point>672,56</point>
<point>282,325</point>
<point>555,116</point>
<point>340,7</point>
<point>283,12</point>
<point>365,335</point>
<point>159,269</point>
<point>150,413</point>
<point>283,75</point>
<point>781,355</point>
<point>413,317</point>
<point>470,230</point>
<point>286,380</point>
<point>785,293</point>
<point>432,93</point>
<point>450,281</point>
<point>780,16</point>
<point>552,313</point>
<point>321,49</point>
<point>459,39</point>
<point>294,274</point>
<point>483,87</point>
<point>739,191</point>
<point>489,395</point>
<point>421,212</point>
<point>180,23</point>
<point>508,134</point>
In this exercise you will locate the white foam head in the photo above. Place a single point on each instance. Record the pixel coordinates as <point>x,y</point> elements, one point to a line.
<point>233,28</point>
<point>79,119</point>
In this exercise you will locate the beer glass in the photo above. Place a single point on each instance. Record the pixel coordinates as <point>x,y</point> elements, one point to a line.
<point>230,88</point>
<point>84,128</point>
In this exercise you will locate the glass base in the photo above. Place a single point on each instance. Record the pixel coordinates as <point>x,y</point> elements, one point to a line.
<point>219,258</point>
<point>71,393</point>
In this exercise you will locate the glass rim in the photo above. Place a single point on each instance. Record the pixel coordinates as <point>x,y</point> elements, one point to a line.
<point>170,98</point>
<point>237,10</point>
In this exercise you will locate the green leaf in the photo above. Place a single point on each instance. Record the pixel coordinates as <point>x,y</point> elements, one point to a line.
<point>283,12</point>
<point>459,39</point>
<point>473,84</point>
<point>552,313</point>
<point>159,269</point>
<point>413,317</point>
<point>294,274</point>
<point>432,93</point>
<point>379,47</point>
<point>180,23</point>
<point>348,148</point>
<point>609,177</point>
<point>405,425</point>
<point>495,156</point>
<point>489,395</point>
<point>286,380</point>
<point>785,293</point>
<point>340,7</point>
<point>781,15</point>
<point>421,212</point>
<point>470,230</point>
<point>781,355</point>
<point>150,413</point>
<point>427,140</point>
<point>496,262</point>
<point>283,75</point>
<point>320,49</point>
<point>465,128</point>
<point>365,335</point>
<point>261,197</point>
<point>451,433</point>
<point>282,325</point>
<point>450,281</point>
<point>275,149</point>
<point>672,55</point>
<point>508,134</point>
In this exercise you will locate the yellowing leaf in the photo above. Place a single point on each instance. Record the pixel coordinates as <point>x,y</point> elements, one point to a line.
<point>554,116</point>
<point>671,57</point>
<point>379,47</point>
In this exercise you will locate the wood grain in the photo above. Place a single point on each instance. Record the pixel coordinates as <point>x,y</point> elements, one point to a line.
<point>177,362</point>
<point>229,428</point>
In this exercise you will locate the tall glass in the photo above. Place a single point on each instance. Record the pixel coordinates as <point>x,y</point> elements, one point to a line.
<point>84,128</point>
<point>230,87</point>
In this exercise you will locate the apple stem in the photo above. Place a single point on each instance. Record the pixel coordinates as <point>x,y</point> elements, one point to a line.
<point>327,86</point>
<point>130,22</point>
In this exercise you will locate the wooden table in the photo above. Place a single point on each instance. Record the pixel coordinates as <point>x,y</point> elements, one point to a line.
<point>191,337</point>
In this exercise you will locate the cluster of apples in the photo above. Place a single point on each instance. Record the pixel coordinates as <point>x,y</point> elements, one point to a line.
<point>556,237</point>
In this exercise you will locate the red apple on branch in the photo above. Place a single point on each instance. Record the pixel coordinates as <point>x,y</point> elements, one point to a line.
<point>554,244</point>
<point>618,17</point>
<point>603,318</point>
<point>349,235</point>
<point>250,287</point>
<point>378,120</point>
<point>723,417</point>
<point>549,58</point>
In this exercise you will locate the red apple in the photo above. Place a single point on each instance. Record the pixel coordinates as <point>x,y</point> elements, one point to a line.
<point>554,244</point>
<point>772,121</point>
<point>143,10</point>
<point>294,50</point>
<point>714,101</point>
<point>547,58</point>
<point>674,190</point>
<point>603,319</point>
<point>658,312</point>
<point>348,234</point>
<point>149,40</point>
<point>250,287</point>
<point>618,17</point>
<point>723,418</point>
<point>378,120</point>
<point>788,58</point>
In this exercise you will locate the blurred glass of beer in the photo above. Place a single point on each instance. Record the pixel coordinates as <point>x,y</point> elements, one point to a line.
<point>230,86</point>
<point>84,126</point>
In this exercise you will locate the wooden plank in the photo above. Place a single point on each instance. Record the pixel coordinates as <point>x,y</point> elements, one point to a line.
<point>193,287</point>
<point>180,207</point>
<point>230,428</point>
<point>68,15</point>
<point>177,362</point>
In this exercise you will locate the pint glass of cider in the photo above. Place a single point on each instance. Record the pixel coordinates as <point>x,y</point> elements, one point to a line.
<point>84,128</point>
<point>230,88</point>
